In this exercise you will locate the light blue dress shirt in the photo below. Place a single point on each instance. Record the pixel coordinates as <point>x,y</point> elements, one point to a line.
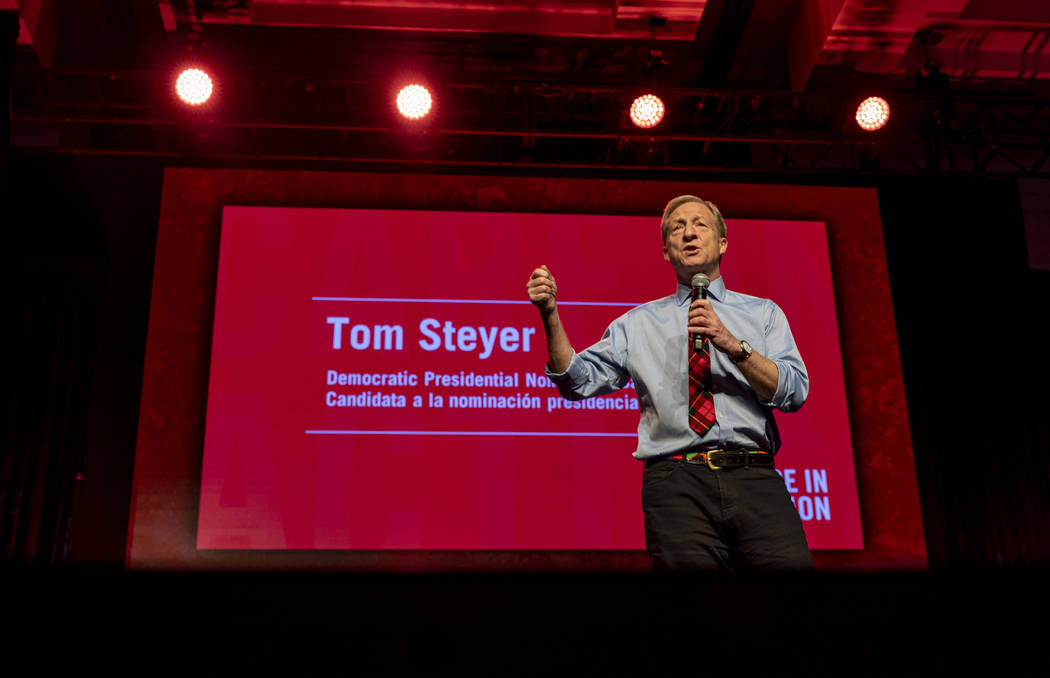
<point>649,344</point>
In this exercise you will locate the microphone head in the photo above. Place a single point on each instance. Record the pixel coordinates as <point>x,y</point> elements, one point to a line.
<point>700,280</point>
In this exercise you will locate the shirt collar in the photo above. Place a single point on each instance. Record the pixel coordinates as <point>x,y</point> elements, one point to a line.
<point>716,290</point>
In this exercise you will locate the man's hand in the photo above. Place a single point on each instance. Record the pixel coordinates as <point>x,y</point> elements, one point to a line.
<point>704,321</point>
<point>543,291</point>
<point>760,372</point>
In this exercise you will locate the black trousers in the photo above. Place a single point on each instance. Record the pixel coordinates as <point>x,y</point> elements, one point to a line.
<point>735,519</point>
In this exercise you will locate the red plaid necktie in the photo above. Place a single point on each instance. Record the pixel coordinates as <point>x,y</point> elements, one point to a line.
<point>701,395</point>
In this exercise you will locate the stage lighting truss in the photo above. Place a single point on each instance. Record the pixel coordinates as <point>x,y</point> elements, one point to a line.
<point>194,86</point>
<point>312,120</point>
<point>873,113</point>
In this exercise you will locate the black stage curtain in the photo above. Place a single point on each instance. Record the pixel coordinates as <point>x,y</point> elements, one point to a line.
<point>79,237</point>
<point>8,40</point>
<point>52,313</point>
<point>970,315</point>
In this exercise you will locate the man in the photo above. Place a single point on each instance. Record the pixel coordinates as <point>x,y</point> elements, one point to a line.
<point>710,495</point>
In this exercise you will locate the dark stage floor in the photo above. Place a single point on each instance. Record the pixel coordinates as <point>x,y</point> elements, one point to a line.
<point>364,623</point>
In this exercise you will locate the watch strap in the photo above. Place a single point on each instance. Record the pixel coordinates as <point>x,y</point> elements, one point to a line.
<point>745,352</point>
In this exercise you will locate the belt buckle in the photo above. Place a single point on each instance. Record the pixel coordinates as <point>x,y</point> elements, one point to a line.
<point>707,458</point>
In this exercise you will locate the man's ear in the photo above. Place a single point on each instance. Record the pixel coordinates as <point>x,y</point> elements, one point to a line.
<point>667,257</point>
<point>722,245</point>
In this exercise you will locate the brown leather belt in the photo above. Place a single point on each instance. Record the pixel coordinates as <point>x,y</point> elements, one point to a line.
<point>719,459</point>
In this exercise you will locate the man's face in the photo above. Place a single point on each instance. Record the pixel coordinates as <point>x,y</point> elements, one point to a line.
<point>693,244</point>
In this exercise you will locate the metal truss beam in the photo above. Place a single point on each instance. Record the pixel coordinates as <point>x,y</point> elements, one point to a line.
<point>526,124</point>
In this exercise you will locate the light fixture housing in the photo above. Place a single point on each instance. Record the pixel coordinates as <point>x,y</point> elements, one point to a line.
<point>873,113</point>
<point>193,86</point>
<point>414,101</point>
<point>647,111</point>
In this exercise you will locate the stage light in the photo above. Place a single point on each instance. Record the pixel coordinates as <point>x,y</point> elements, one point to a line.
<point>647,111</point>
<point>193,86</point>
<point>414,101</point>
<point>873,113</point>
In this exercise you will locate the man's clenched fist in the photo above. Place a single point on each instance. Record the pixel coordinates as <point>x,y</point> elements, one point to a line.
<point>543,291</point>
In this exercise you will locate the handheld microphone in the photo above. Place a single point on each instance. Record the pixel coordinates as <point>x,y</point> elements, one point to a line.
<point>700,283</point>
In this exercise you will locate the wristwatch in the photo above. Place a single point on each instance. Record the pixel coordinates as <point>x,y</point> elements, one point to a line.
<point>745,352</point>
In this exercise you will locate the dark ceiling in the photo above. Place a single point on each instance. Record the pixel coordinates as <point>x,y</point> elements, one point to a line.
<point>783,73</point>
<point>766,44</point>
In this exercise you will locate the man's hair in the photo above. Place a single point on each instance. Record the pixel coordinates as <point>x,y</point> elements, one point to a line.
<point>683,199</point>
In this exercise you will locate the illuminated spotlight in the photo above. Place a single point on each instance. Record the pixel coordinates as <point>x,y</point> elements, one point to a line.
<point>193,86</point>
<point>873,113</point>
<point>647,111</point>
<point>414,102</point>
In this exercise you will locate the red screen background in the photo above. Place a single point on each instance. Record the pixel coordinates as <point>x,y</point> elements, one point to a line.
<point>168,477</point>
<point>285,466</point>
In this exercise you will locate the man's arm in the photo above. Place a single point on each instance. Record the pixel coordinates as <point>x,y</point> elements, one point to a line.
<point>543,292</point>
<point>760,372</point>
<point>786,391</point>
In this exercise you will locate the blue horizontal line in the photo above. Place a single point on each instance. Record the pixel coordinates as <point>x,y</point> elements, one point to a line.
<point>471,433</point>
<point>473,301</point>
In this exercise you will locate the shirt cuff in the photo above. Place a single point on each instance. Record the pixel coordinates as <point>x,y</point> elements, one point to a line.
<point>786,397</point>
<point>560,377</point>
